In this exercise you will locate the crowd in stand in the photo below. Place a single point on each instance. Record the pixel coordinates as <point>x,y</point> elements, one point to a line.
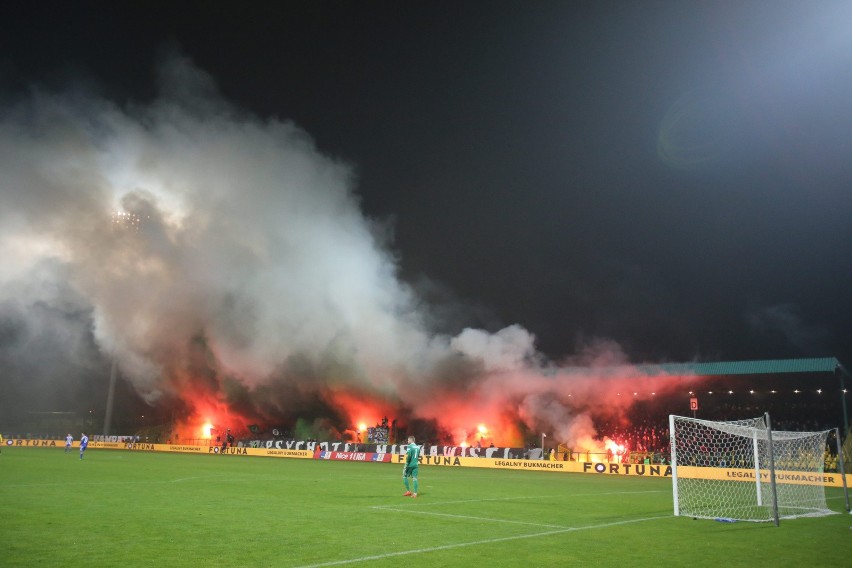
<point>645,431</point>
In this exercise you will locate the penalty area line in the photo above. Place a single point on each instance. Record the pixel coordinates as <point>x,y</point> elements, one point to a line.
<point>516,498</point>
<point>470,517</point>
<point>477,543</point>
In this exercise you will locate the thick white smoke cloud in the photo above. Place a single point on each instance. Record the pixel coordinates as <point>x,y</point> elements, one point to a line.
<point>246,233</point>
<point>511,348</point>
<point>186,226</point>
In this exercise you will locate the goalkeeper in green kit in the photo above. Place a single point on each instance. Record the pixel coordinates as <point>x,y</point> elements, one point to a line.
<point>412,455</point>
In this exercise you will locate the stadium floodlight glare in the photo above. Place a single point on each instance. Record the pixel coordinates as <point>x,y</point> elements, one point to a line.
<point>743,470</point>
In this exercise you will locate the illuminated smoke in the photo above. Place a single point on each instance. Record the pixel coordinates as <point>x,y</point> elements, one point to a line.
<point>224,262</point>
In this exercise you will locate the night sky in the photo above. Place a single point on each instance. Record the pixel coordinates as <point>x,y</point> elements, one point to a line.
<point>670,179</point>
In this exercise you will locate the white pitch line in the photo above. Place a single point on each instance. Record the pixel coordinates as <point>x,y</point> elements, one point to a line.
<point>416,512</point>
<point>475,543</point>
<point>548,496</point>
<point>463,501</point>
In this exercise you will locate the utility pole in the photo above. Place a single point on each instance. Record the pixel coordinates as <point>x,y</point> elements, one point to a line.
<point>110,396</point>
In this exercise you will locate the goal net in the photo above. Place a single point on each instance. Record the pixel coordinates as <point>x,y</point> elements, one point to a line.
<point>743,470</point>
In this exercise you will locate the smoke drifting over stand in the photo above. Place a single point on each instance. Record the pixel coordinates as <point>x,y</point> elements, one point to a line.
<point>224,263</point>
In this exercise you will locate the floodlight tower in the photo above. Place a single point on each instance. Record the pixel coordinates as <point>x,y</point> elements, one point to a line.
<point>124,222</point>
<point>110,398</point>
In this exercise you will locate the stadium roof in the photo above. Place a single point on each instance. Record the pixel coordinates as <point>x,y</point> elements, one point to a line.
<point>768,366</point>
<point>721,368</point>
<point>815,365</point>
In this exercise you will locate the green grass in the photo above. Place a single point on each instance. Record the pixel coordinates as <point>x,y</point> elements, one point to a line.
<point>120,508</point>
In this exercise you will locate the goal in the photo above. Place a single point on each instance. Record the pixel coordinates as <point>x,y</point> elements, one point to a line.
<point>743,470</point>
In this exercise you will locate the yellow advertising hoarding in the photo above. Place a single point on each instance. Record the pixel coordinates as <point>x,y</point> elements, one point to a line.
<point>781,476</point>
<point>639,470</point>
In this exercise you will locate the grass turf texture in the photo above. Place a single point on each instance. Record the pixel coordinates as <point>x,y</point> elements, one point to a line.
<point>121,508</point>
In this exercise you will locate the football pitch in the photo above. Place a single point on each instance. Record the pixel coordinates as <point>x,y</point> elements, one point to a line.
<point>124,508</point>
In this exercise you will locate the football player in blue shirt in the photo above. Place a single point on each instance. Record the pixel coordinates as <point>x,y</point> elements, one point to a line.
<point>84,443</point>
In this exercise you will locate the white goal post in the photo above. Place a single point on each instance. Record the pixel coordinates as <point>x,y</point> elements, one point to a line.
<point>743,470</point>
